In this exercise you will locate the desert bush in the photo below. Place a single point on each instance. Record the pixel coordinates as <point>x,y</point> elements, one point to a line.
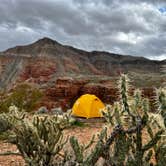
<point>161,100</point>
<point>5,124</point>
<point>24,96</point>
<point>42,110</point>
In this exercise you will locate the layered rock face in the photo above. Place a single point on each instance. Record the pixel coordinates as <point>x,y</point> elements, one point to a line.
<point>67,90</point>
<point>40,72</point>
<point>48,57</point>
<point>64,73</point>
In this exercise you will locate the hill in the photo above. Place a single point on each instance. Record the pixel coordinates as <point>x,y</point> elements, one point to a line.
<point>64,70</point>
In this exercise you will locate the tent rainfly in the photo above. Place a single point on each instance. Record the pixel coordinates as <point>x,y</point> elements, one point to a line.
<point>88,106</point>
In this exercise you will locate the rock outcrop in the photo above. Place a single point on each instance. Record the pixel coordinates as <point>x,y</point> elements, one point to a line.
<point>67,90</point>
<point>39,72</point>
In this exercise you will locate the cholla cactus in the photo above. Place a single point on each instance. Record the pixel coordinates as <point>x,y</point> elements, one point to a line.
<point>124,88</point>
<point>5,124</point>
<point>161,98</point>
<point>160,118</point>
<point>40,139</point>
<point>130,119</point>
<point>13,108</point>
<point>10,119</point>
<point>133,119</point>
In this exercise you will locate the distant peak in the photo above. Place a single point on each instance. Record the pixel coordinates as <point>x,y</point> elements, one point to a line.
<point>46,40</point>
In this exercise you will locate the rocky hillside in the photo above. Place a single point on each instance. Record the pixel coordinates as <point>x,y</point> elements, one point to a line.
<point>46,59</point>
<point>46,62</point>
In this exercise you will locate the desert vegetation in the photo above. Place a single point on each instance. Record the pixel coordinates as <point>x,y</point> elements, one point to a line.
<point>24,96</point>
<point>41,141</point>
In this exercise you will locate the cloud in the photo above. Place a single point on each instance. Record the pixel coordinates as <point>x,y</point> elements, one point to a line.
<point>135,27</point>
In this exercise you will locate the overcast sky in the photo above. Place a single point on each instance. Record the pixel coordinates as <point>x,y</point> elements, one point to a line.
<point>133,27</point>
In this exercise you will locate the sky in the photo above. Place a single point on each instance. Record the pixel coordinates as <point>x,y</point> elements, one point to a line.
<point>129,27</point>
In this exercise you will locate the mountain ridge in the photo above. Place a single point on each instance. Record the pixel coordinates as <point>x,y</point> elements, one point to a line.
<point>45,60</point>
<point>48,41</point>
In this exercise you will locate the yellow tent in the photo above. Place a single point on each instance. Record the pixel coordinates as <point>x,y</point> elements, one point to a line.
<point>87,106</point>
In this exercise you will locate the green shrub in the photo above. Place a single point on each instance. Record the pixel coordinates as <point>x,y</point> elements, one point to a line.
<point>24,96</point>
